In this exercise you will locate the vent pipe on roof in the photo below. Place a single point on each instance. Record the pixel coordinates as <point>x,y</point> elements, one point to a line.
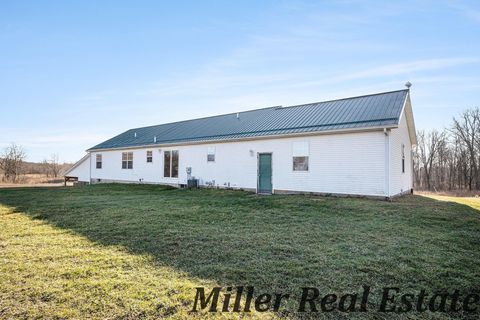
<point>408,84</point>
<point>135,134</point>
<point>238,115</point>
<point>155,139</point>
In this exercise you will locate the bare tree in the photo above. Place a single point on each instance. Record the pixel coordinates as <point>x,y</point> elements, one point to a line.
<point>450,159</point>
<point>54,165</point>
<point>11,161</point>
<point>45,167</point>
<point>467,131</point>
<point>428,149</point>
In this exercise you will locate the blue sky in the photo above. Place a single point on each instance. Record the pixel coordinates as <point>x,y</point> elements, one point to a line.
<point>74,73</point>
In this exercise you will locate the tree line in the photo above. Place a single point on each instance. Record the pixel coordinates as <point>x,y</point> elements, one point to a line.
<point>13,164</point>
<point>449,159</point>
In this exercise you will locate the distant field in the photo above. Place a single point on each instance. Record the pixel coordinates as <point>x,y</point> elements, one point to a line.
<point>33,180</point>
<point>138,251</point>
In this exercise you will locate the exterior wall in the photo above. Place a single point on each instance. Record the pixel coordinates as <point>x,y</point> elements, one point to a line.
<point>82,170</point>
<point>349,163</point>
<point>400,182</point>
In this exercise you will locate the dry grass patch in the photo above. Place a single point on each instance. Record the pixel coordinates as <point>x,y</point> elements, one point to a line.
<point>473,202</point>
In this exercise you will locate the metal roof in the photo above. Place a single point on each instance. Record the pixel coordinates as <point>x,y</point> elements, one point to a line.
<point>381,109</point>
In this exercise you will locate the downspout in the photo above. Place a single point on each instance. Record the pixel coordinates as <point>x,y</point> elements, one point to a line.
<point>412,176</point>
<point>90,167</point>
<point>387,162</point>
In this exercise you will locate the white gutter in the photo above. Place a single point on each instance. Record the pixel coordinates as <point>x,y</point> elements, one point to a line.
<point>90,167</point>
<point>266,137</point>
<point>387,162</point>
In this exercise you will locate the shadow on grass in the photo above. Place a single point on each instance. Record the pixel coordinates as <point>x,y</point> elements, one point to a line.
<point>472,202</point>
<point>276,243</point>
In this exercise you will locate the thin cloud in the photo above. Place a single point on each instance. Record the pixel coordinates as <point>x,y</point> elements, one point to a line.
<point>55,139</point>
<point>471,13</point>
<point>409,67</point>
<point>391,70</point>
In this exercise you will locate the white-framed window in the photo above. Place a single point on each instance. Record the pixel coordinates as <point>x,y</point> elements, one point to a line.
<point>403,158</point>
<point>98,161</point>
<point>211,154</point>
<point>170,164</point>
<point>127,160</point>
<point>300,156</point>
<point>149,156</point>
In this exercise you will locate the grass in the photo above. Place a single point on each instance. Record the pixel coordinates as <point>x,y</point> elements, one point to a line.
<point>138,251</point>
<point>473,202</point>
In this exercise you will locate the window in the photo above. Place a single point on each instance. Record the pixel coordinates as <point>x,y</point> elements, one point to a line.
<point>170,164</point>
<point>149,156</point>
<point>127,160</point>
<point>211,154</point>
<point>300,156</point>
<point>98,160</point>
<point>403,158</point>
<point>167,161</point>
<point>175,164</point>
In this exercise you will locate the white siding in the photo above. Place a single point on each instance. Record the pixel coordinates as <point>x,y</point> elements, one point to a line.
<point>81,170</point>
<point>400,182</point>
<point>352,163</point>
<point>142,171</point>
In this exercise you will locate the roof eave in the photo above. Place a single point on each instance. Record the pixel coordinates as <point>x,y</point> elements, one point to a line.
<point>408,112</point>
<point>265,137</point>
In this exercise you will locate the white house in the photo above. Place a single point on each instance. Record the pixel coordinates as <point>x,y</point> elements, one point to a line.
<point>353,146</point>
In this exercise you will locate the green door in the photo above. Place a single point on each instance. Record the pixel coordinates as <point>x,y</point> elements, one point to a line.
<point>265,173</point>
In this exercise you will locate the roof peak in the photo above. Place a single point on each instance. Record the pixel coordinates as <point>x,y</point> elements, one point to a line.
<point>268,108</point>
<point>348,98</point>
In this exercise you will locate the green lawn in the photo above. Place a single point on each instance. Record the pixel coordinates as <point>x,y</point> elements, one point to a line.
<point>134,251</point>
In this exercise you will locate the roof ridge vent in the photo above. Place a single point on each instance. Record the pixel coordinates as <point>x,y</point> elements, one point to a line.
<point>277,107</point>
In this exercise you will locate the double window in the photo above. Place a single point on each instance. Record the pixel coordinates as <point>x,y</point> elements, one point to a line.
<point>211,154</point>
<point>170,164</point>
<point>98,161</point>
<point>300,156</point>
<point>127,160</point>
<point>149,156</point>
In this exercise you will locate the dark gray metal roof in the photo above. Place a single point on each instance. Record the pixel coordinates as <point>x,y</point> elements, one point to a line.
<point>382,109</point>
